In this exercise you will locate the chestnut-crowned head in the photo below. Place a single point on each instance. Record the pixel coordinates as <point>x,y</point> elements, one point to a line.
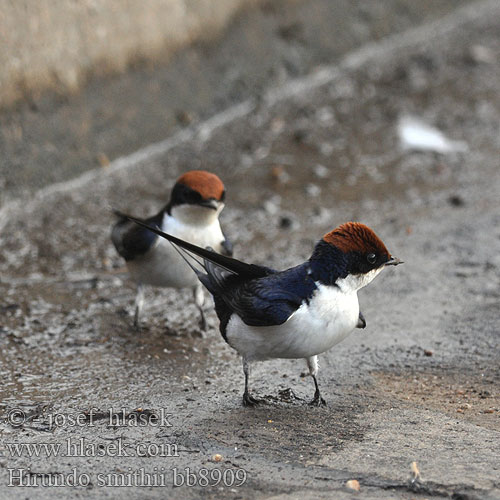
<point>350,257</point>
<point>197,197</point>
<point>365,249</point>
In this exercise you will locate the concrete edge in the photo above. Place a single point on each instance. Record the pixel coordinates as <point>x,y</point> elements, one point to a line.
<point>57,44</point>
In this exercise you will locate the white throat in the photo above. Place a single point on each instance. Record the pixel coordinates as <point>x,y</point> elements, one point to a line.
<point>194,215</point>
<point>354,282</point>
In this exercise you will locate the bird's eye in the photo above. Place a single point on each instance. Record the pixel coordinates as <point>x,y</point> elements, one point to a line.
<point>371,258</point>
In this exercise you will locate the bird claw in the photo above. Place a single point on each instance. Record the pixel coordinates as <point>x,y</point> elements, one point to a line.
<point>361,321</point>
<point>198,333</point>
<point>317,401</point>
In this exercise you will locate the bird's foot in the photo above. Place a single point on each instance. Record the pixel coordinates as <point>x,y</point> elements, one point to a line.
<point>201,331</point>
<point>361,321</point>
<point>249,400</point>
<point>203,324</point>
<point>317,400</point>
<point>198,333</point>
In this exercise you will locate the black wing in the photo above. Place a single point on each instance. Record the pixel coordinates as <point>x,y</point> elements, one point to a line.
<point>269,300</point>
<point>131,240</point>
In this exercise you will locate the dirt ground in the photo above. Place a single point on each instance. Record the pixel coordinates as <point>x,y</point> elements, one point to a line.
<point>419,384</point>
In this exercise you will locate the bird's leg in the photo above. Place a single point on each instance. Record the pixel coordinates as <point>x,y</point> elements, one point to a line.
<point>248,400</point>
<point>312,363</point>
<point>139,302</point>
<point>199,300</point>
<point>361,321</point>
<point>317,400</point>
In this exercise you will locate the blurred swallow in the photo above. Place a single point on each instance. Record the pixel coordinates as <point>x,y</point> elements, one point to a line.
<point>192,214</point>
<point>297,313</point>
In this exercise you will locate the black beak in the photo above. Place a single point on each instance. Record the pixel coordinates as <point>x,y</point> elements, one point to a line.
<point>394,261</point>
<point>211,203</point>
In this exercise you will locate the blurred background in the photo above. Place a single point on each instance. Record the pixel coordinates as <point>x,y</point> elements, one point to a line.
<point>84,82</point>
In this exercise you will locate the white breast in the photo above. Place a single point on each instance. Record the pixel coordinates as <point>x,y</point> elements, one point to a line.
<point>329,318</point>
<point>163,266</point>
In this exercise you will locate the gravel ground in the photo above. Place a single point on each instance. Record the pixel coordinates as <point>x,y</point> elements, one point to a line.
<point>419,384</point>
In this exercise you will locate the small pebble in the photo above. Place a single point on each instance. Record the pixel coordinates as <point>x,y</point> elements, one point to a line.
<point>217,457</point>
<point>482,54</point>
<point>456,201</point>
<point>184,117</point>
<point>321,171</point>
<point>325,115</point>
<point>279,174</point>
<point>300,136</point>
<point>103,159</point>
<point>277,125</point>
<point>285,222</point>
<point>313,190</point>
<point>353,484</point>
<point>270,207</point>
<point>326,148</point>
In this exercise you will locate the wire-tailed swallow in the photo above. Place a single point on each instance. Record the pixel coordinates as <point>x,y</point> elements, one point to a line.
<point>192,214</point>
<point>297,313</point>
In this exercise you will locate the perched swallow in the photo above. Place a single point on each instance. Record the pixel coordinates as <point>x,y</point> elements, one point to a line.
<point>192,214</point>
<point>297,313</point>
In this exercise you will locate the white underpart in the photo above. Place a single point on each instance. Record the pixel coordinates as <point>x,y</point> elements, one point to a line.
<point>330,316</point>
<point>162,265</point>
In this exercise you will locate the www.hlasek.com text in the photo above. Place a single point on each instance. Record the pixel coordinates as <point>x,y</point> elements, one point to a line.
<point>82,447</point>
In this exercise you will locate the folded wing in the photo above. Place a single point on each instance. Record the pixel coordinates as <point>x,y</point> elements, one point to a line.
<point>130,240</point>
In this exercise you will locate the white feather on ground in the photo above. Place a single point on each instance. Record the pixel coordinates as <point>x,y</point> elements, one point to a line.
<point>416,135</point>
